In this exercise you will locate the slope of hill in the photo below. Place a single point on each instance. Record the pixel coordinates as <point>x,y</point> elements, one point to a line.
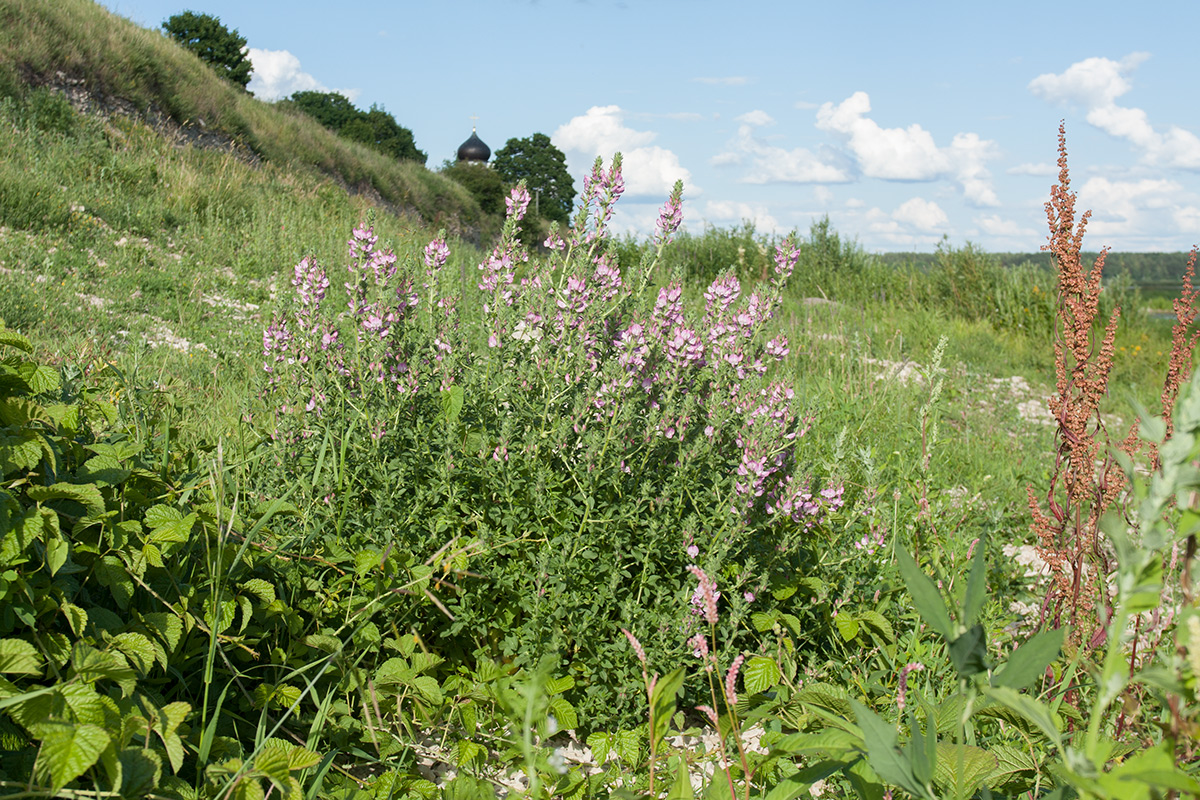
<point>107,63</point>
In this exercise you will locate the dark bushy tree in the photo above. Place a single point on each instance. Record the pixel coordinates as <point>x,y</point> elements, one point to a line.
<point>483,183</point>
<point>223,49</point>
<point>376,128</point>
<point>331,109</point>
<point>543,167</point>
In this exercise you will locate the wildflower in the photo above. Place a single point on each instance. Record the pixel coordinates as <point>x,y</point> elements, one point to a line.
<point>731,679</point>
<point>902,690</point>
<point>706,593</point>
<point>517,202</point>
<point>693,551</point>
<point>699,645</point>
<point>670,217</point>
<point>436,253</point>
<point>787,254</point>
<point>636,645</point>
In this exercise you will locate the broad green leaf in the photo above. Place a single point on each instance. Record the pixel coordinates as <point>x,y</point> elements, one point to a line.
<point>1029,709</point>
<point>681,787</point>
<point>879,623</point>
<point>976,585</point>
<point>67,751</point>
<point>40,377</point>
<point>800,782</point>
<point>19,657</point>
<point>827,696</point>
<point>564,713</point>
<point>86,494</point>
<point>10,338</point>
<point>56,553</point>
<point>847,626</point>
<point>601,744</point>
<point>137,649</point>
<point>627,746</point>
<point>879,739</point>
<point>77,618</point>
<point>976,765</point>
<point>167,627</point>
<point>261,589</point>
<point>103,471</point>
<point>760,674</point>
<point>1030,660</point>
<point>926,597</point>
<point>112,573</point>
<point>830,743</point>
<point>91,665</point>
<point>272,761</point>
<point>662,702</point>
<point>452,404</point>
<point>969,652</point>
<point>553,685</point>
<point>1009,760</point>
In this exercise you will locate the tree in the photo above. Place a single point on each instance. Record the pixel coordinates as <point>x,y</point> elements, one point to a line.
<point>223,49</point>
<point>543,167</point>
<point>331,109</point>
<point>380,130</point>
<point>482,182</point>
<point>376,128</point>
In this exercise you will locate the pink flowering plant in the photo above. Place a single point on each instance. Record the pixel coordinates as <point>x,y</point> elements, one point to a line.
<point>559,441</point>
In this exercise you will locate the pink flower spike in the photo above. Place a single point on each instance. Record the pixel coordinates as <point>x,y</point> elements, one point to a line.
<point>902,690</point>
<point>637,646</point>
<point>709,591</point>
<point>731,679</point>
<point>712,715</point>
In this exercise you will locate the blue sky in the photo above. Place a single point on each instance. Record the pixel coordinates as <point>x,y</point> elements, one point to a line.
<point>903,122</point>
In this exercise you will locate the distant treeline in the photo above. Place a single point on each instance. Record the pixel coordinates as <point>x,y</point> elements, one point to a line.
<point>1142,268</point>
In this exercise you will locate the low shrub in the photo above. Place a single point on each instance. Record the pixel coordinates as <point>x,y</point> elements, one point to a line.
<point>560,448</point>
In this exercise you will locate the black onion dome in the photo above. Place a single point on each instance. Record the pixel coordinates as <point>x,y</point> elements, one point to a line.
<point>474,149</point>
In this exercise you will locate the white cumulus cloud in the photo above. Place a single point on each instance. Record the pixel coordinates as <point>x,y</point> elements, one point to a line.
<point>771,164</point>
<point>733,213</point>
<point>755,117</point>
<point>277,74</point>
<point>648,170</point>
<point>910,154</point>
<point>1095,84</point>
<point>922,214</point>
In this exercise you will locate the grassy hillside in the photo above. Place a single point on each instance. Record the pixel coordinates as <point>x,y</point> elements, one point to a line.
<point>110,62</point>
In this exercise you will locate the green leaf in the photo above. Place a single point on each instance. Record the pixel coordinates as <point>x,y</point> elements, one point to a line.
<point>86,494</point>
<point>91,665</point>
<point>57,550</point>
<point>847,626</point>
<point>969,652</point>
<point>926,597</point>
<point>137,649</point>
<point>879,739</point>
<point>879,623</point>
<point>1030,660</point>
<point>830,743</point>
<point>760,674</point>
<point>601,744</point>
<point>977,765</point>
<point>451,403</point>
<point>19,657</point>
<point>272,761</point>
<point>167,627</point>
<point>801,782</point>
<point>68,750</point>
<point>141,771</point>
<point>10,338</point>
<point>553,685</point>
<point>564,713</point>
<point>77,618</point>
<point>261,589</point>
<point>1029,709</point>
<point>662,702</point>
<point>976,585</point>
<point>681,787</point>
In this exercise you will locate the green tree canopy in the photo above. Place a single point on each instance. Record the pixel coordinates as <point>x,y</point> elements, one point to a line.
<point>543,167</point>
<point>223,49</point>
<point>376,128</point>
<point>331,109</point>
<point>484,184</point>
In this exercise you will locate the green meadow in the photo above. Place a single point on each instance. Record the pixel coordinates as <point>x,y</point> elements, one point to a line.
<point>320,482</point>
